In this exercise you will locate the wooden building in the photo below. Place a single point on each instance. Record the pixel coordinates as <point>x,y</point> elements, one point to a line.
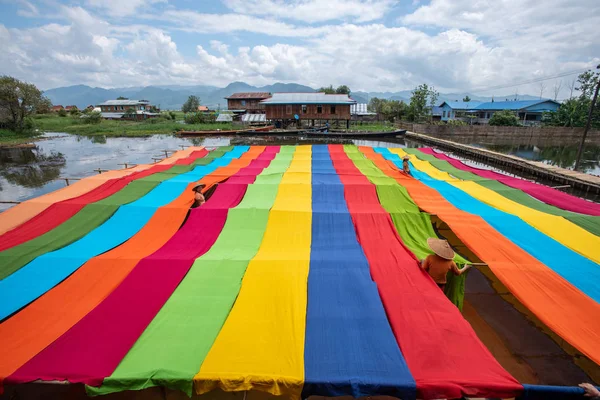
<point>249,102</point>
<point>285,108</point>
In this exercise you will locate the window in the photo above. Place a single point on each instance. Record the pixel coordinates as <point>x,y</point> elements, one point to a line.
<point>443,114</point>
<point>121,107</point>
<point>319,109</point>
<point>243,102</point>
<point>304,109</point>
<point>288,109</point>
<point>332,110</point>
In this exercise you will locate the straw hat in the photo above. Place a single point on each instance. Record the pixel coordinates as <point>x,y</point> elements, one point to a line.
<point>406,158</point>
<point>441,248</point>
<point>198,188</point>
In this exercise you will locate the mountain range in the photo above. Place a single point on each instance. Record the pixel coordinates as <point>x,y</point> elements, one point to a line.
<point>172,97</point>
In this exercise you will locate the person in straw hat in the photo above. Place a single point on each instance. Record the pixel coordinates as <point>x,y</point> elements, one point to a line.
<point>438,264</point>
<point>406,165</point>
<point>199,198</point>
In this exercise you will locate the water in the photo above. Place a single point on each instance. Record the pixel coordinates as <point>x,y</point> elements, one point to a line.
<point>28,172</point>
<point>561,156</point>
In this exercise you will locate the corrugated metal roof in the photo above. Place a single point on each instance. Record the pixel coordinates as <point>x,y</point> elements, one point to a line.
<point>250,95</point>
<point>461,105</point>
<point>360,109</point>
<point>254,118</point>
<point>436,110</point>
<point>225,118</point>
<point>124,103</point>
<point>112,115</point>
<point>511,105</point>
<point>308,98</point>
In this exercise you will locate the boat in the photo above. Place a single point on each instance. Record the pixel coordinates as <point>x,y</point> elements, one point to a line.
<point>355,135</point>
<point>226,132</point>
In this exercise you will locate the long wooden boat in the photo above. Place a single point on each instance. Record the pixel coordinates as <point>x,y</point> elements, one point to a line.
<point>226,132</point>
<point>356,135</point>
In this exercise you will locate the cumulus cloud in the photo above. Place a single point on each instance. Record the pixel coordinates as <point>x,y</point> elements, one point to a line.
<point>466,45</point>
<point>313,11</point>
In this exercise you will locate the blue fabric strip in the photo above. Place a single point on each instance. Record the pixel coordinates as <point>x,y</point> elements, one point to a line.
<point>580,271</point>
<point>350,348</point>
<point>541,392</point>
<point>48,270</point>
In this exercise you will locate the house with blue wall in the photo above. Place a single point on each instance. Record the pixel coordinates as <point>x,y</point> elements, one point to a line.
<point>528,111</point>
<point>456,109</point>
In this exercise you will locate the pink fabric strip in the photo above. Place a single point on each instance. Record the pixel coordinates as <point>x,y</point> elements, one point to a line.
<point>544,193</point>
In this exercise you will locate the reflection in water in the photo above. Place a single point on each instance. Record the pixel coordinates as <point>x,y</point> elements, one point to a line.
<point>32,171</point>
<point>561,156</point>
<point>28,167</point>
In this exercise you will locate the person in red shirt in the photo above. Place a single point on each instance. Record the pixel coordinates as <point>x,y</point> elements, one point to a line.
<point>439,264</point>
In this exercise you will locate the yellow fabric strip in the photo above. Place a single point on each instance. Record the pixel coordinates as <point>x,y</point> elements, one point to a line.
<point>261,345</point>
<point>558,228</point>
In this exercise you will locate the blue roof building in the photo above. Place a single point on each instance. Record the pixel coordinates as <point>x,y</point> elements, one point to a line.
<point>450,109</point>
<point>528,111</point>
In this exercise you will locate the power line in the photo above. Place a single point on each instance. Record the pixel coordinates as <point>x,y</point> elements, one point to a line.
<point>529,81</point>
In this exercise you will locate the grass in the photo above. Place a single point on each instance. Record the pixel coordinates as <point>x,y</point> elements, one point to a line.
<point>74,125</point>
<point>8,137</point>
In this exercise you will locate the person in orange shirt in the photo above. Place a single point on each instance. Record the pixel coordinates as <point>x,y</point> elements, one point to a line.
<point>406,165</point>
<point>440,263</point>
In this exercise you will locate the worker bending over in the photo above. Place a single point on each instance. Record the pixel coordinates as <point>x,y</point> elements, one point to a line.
<point>440,263</point>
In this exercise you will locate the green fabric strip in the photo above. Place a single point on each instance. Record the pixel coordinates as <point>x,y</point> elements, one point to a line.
<point>87,219</point>
<point>414,227</point>
<point>173,347</point>
<point>588,222</point>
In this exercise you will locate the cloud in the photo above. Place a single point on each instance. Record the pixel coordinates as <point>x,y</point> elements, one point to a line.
<point>466,45</point>
<point>314,11</point>
<point>121,8</point>
<point>193,21</point>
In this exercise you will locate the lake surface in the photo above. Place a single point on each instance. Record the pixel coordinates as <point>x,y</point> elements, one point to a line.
<point>560,156</point>
<point>26,173</point>
<point>30,172</point>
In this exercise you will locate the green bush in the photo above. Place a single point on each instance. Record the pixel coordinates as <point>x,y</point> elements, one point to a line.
<point>93,117</point>
<point>74,111</point>
<point>62,112</point>
<point>504,118</point>
<point>199,118</point>
<point>173,115</point>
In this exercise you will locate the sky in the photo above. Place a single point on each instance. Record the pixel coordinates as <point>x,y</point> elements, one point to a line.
<point>476,46</point>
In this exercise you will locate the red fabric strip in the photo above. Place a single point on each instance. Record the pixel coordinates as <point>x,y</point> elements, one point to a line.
<point>442,351</point>
<point>59,212</point>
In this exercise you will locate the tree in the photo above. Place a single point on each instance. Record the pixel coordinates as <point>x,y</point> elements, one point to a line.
<point>45,106</point>
<point>556,89</point>
<point>74,111</point>
<point>466,99</point>
<point>542,88</point>
<point>130,113</point>
<point>62,112</point>
<point>327,90</point>
<point>343,89</point>
<point>390,110</point>
<point>18,100</point>
<point>191,104</point>
<point>573,112</point>
<point>504,118</point>
<point>423,99</point>
<point>122,98</point>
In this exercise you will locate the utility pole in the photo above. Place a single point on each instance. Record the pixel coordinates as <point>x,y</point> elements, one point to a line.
<point>587,124</point>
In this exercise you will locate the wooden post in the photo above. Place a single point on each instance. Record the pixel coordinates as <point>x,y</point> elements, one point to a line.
<point>587,125</point>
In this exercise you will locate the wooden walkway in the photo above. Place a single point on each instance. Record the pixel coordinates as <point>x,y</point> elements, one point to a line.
<point>561,176</point>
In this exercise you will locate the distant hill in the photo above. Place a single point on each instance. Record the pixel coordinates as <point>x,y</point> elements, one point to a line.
<point>171,97</point>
